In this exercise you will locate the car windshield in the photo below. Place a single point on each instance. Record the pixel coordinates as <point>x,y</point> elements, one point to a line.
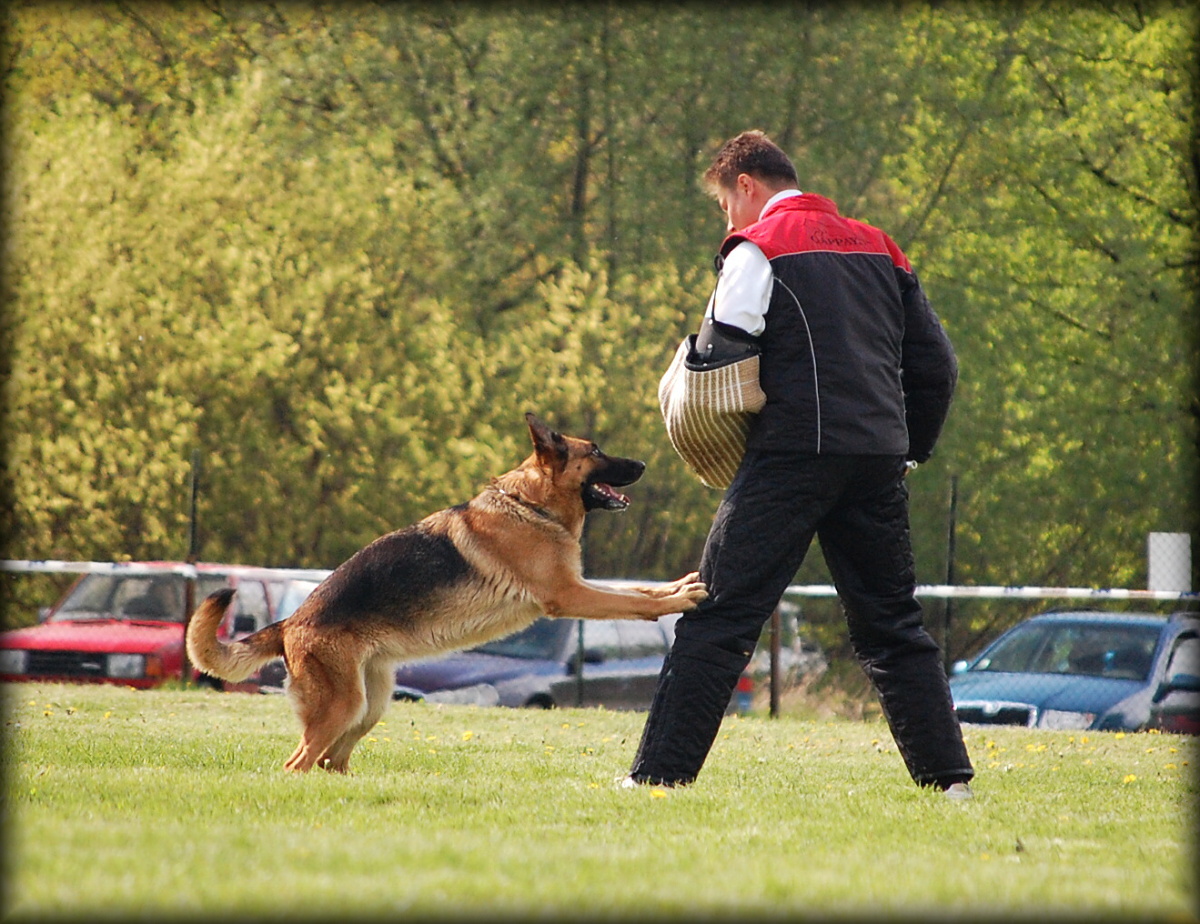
<point>540,641</point>
<point>154,597</point>
<point>1087,649</point>
<point>295,594</point>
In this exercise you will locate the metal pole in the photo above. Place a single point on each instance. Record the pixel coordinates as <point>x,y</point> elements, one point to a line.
<point>189,582</point>
<point>579,667</point>
<point>776,644</point>
<point>951,531</point>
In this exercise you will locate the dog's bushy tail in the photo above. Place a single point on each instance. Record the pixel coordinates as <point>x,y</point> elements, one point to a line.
<point>232,661</point>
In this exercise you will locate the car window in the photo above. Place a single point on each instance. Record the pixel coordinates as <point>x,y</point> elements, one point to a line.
<point>252,601</point>
<point>1015,651</point>
<point>144,597</point>
<point>208,584</point>
<point>295,593</point>
<point>540,641</point>
<point>1185,657</point>
<point>600,635</point>
<point>1082,649</point>
<point>156,597</point>
<point>641,639</point>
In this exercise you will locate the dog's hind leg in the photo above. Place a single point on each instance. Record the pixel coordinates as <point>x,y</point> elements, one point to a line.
<point>379,679</point>
<point>328,698</point>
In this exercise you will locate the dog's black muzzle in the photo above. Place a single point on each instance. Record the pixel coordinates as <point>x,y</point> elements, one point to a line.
<point>598,493</point>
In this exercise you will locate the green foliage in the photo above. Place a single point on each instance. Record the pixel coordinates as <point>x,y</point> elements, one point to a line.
<point>173,804</point>
<point>339,250</point>
<point>1060,245</point>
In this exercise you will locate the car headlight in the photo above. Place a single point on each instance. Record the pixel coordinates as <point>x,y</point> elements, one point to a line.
<point>1061,719</point>
<point>126,665</point>
<point>13,660</point>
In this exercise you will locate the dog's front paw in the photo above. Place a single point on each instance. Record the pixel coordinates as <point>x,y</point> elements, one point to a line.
<point>688,580</point>
<point>673,589</point>
<point>690,595</point>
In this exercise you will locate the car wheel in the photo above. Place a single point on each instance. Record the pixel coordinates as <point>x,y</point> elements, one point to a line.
<point>539,702</point>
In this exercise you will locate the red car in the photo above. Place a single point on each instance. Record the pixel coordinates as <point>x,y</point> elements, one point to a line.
<point>127,628</point>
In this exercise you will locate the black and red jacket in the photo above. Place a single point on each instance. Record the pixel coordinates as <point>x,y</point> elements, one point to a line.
<point>854,361</point>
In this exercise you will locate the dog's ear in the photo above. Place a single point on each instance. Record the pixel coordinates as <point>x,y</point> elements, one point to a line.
<point>550,447</point>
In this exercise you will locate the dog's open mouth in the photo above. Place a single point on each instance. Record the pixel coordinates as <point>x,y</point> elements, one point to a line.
<point>601,496</point>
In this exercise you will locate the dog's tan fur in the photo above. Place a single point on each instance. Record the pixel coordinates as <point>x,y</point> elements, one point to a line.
<point>459,577</point>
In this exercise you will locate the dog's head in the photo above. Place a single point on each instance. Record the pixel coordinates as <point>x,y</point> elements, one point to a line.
<point>577,467</point>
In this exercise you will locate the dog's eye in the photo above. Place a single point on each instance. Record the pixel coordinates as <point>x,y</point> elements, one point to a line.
<point>595,451</point>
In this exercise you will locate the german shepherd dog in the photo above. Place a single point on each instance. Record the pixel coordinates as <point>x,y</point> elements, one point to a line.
<point>457,578</point>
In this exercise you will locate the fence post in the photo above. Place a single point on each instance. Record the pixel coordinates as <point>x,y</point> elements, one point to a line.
<point>189,581</point>
<point>776,643</point>
<point>579,666</point>
<point>948,608</point>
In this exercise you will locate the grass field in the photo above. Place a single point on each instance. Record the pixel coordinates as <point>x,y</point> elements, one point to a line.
<point>172,804</point>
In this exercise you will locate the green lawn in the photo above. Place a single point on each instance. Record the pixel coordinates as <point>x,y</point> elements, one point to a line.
<point>173,803</point>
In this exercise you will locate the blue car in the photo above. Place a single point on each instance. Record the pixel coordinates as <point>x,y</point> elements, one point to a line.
<point>1081,670</point>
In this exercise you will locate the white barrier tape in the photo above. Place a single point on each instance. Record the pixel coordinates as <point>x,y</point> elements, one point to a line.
<point>1015,593</point>
<point>142,568</point>
<point>794,590</point>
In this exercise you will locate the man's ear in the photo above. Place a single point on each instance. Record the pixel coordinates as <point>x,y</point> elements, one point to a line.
<point>550,447</point>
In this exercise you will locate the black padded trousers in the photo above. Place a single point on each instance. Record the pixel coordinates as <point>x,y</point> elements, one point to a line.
<point>858,507</point>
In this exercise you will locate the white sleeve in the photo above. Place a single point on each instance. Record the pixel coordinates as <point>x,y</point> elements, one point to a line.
<point>743,291</point>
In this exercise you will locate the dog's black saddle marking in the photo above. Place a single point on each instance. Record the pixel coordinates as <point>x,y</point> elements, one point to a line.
<point>394,574</point>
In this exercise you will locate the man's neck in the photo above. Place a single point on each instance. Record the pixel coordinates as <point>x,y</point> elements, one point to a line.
<point>779,197</point>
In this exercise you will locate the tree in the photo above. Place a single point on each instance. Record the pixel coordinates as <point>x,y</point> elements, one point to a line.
<point>341,249</point>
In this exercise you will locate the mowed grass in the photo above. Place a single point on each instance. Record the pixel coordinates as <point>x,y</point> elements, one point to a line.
<point>173,804</point>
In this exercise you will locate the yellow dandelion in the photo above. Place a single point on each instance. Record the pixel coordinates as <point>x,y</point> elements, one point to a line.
<point>468,735</point>
<point>658,794</point>
<point>1119,735</point>
<point>1129,779</point>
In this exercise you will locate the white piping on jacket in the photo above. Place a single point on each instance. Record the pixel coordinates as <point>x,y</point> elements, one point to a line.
<point>812,352</point>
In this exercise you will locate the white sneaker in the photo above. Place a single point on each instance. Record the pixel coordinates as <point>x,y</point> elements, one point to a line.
<point>958,792</point>
<point>626,782</point>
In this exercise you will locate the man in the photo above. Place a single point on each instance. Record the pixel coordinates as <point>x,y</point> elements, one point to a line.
<point>858,375</point>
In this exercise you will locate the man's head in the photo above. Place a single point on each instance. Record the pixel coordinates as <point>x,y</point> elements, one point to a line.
<point>747,171</point>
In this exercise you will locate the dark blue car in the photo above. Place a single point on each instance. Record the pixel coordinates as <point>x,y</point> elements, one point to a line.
<point>614,663</point>
<point>1084,670</point>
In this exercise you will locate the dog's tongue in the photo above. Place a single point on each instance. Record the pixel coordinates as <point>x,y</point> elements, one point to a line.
<point>608,491</point>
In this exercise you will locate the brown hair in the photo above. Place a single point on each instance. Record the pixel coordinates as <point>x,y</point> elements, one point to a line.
<point>753,153</point>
